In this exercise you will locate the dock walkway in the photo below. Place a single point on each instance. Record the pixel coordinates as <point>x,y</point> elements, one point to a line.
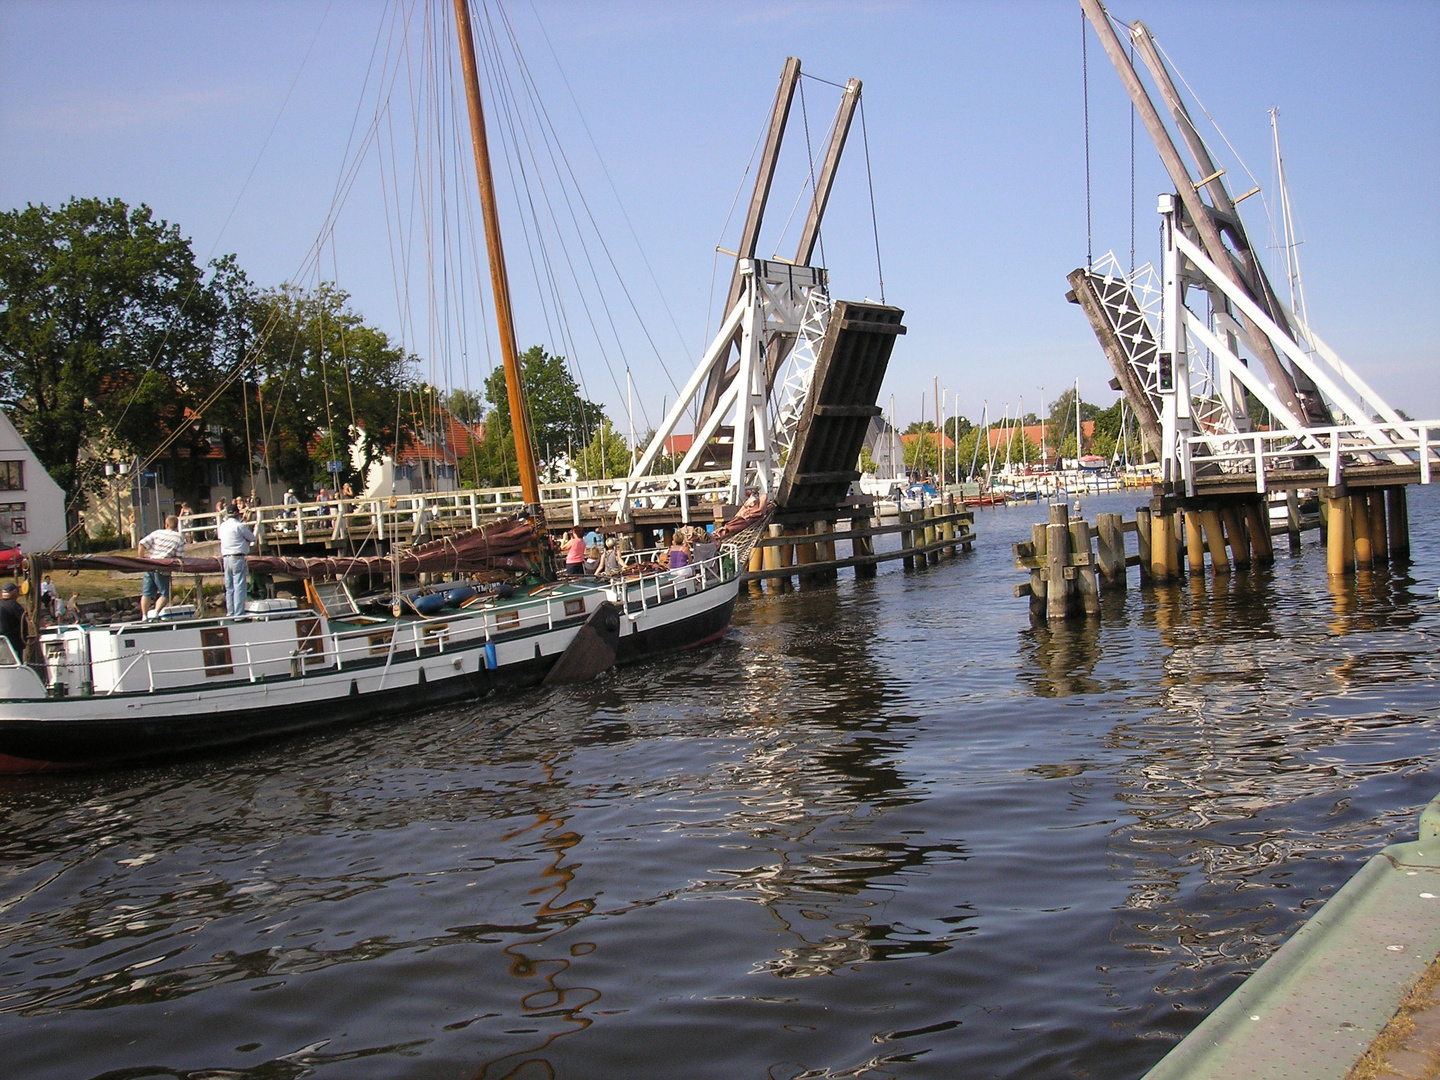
<point>1316,1007</point>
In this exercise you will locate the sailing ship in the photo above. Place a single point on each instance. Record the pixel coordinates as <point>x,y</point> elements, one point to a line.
<point>129,691</point>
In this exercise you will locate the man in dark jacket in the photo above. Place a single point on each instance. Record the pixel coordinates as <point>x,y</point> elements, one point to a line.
<point>12,619</point>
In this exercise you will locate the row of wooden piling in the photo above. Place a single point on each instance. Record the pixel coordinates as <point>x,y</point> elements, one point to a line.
<point>1365,527</point>
<point>1066,577</point>
<point>807,550</point>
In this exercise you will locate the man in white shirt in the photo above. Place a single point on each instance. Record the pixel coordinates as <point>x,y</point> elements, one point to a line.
<point>235,541</point>
<point>166,543</point>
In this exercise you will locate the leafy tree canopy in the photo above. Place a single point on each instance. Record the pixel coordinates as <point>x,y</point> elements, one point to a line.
<point>562,421</point>
<point>324,382</point>
<point>607,455</point>
<point>108,330</point>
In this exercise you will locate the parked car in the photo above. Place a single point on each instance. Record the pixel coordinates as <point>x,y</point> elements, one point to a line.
<point>11,559</point>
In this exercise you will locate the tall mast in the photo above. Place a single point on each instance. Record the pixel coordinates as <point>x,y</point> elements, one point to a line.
<point>1292,257</point>
<point>499,279</point>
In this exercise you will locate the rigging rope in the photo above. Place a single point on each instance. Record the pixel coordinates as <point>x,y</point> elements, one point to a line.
<point>870,181</point>
<point>1085,93</point>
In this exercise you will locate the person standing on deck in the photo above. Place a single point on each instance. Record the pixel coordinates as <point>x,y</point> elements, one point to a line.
<point>12,619</point>
<point>235,541</point>
<point>575,553</point>
<point>166,543</point>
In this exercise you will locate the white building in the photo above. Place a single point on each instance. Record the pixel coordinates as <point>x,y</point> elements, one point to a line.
<point>32,506</point>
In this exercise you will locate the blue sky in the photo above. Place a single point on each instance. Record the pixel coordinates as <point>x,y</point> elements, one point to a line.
<point>975,129</point>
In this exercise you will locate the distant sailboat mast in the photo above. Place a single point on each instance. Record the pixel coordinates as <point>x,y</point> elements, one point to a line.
<point>1292,256</point>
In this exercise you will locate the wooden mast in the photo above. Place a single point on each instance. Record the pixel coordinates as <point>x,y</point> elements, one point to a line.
<point>499,279</point>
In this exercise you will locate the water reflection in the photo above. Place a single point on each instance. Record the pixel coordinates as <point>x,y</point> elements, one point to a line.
<point>887,829</point>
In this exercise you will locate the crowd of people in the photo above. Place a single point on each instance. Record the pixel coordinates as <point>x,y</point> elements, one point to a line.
<point>592,554</point>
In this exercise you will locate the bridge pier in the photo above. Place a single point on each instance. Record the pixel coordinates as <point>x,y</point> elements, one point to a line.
<point>1364,528</point>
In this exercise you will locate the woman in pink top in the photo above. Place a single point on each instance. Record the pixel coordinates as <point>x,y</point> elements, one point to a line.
<point>575,553</point>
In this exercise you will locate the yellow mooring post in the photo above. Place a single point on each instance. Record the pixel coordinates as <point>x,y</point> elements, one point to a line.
<point>1215,541</point>
<point>1160,546</point>
<point>1194,543</point>
<point>1360,522</point>
<point>1339,557</point>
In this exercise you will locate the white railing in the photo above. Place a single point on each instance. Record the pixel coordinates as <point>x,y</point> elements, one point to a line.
<point>411,518</point>
<point>1258,452</point>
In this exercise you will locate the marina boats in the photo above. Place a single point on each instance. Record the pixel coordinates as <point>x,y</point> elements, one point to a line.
<point>103,695</point>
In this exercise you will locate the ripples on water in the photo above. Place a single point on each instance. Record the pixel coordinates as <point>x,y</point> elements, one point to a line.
<point>887,829</point>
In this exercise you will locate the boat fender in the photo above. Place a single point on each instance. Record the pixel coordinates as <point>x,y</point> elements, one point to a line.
<point>490,661</point>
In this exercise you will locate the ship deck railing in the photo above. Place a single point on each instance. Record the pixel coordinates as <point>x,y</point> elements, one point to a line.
<point>544,609</point>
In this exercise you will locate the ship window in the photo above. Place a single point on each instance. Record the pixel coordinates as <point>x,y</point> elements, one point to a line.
<point>215,645</point>
<point>380,642</point>
<point>310,641</point>
<point>507,620</point>
<point>576,606</point>
<point>436,635</point>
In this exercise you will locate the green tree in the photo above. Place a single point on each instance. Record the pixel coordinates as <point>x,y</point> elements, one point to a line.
<point>867,463</point>
<point>1062,411</point>
<point>561,420</point>
<point>606,455</point>
<point>922,453</point>
<point>467,405</point>
<point>108,331</point>
<point>957,427</point>
<point>325,382</point>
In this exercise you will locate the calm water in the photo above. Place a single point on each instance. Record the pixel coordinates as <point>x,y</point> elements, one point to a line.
<point>887,829</point>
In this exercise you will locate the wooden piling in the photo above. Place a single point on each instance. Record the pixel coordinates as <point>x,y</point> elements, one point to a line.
<point>1194,542</point>
<point>1339,557</point>
<point>1086,580</point>
<point>1110,550</point>
<point>1398,525</point>
<point>907,538</point>
<point>771,551</point>
<point>1215,541</point>
<point>1057,551</point>
<point>1257,523</point>
<point>1038,538</point>
<point>1143,534</point>
<point>805,554</point>
<point>864,544</point>
<point>1379,542</point>
<point>1235,537</point>
<point>1292,518</point>
<point>1360,522</point>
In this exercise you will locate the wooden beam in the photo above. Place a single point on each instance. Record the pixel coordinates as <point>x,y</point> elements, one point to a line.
<point>750,235</point>
<point>810,233</point>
